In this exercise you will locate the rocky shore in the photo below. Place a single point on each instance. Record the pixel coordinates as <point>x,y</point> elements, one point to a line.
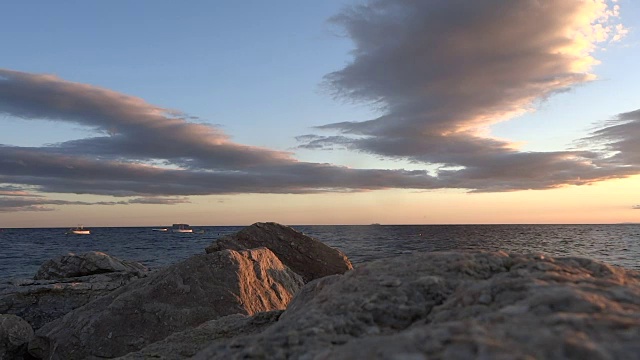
<point>270,292</point>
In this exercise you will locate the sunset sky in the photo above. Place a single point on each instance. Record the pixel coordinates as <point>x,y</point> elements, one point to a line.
<point>319,112</point>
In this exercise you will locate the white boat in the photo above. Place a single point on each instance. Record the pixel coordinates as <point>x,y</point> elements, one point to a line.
<point>79,230</point>
<point>160,229</point>
<point>181,228</point>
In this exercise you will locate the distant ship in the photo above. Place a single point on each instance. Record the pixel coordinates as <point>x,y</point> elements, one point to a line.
<point>181,228</point>
<point>79,230</point>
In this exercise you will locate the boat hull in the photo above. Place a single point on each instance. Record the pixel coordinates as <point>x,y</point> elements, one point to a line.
<point>79,232</point>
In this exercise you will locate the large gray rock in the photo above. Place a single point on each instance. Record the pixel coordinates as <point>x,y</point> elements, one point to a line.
<point>456,306</point>
<point>41,301</point>
<point>186,344</point>
<point>305,255</point>
<point>182,296</point>
<point>90,263</point>
<point>15,333</point>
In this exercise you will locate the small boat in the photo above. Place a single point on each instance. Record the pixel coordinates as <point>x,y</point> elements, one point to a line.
<point>181,228</point>
<point>79,230</point>
<point>160,229</point>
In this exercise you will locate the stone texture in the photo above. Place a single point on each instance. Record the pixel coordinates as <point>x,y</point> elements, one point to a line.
<point>90,263</point>
<point>41,301</point>
<point>186,344</point>
<point>456,305</point>
<point>182,296</point>
<point>14,335</point>
<point>305,255</point>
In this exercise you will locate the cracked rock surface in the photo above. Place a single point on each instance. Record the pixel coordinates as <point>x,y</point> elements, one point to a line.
<point>456,305</point>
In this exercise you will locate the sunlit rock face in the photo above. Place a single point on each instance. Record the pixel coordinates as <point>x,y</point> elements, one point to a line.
<point>173,299</point>
<point>456,305</point>
<point>305,255</point>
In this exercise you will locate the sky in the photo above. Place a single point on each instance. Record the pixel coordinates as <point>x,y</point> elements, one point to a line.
<point>150,113</point>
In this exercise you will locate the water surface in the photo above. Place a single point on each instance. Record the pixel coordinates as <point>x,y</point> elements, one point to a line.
<point>24,250</point>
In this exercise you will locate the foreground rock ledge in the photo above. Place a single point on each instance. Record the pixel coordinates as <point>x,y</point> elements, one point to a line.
<point>180,297</point>
<point>308,257</point>
<point>64,284</point>
<point>90,263</point>
<point>454,305</point>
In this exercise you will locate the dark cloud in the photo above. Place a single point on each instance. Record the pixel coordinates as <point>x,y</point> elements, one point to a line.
<point>443,71</point>
<point>317,142</point>
<point>39,203</point>
<point>159,201</point>
<point>33,202</point>
<point>65,174</point>
<point>620,138</point>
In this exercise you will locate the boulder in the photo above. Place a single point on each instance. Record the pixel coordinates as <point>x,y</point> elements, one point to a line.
<point>456,305</point>
<point>305,255</point>
<point>15,333</point>
<point>186,344</point>
<point>182,296</point>
<point>41,301</point>
<point>90,263</point>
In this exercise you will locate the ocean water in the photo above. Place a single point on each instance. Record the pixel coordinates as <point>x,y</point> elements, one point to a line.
<point>22,251</point>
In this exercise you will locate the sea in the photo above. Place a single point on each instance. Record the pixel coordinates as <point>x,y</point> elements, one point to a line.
<point>22,251</point>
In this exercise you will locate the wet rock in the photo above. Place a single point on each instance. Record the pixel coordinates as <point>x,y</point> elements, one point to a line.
<point>305,255</point>
<point>90,263</point>
<point>456,305</point>
<point>15,333</point>
<point>182,296</point>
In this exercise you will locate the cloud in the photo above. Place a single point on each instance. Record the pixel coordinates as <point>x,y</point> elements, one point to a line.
<point>159,201</point>
<point>442,72</point>
<point>620,138</point>
<point>33,202</point>
<point>37,203</point>
<point>11,190</point>
<point>129,127</point>
<point>66,174</point>
<point>636,207</point>
<point>141,150</point>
